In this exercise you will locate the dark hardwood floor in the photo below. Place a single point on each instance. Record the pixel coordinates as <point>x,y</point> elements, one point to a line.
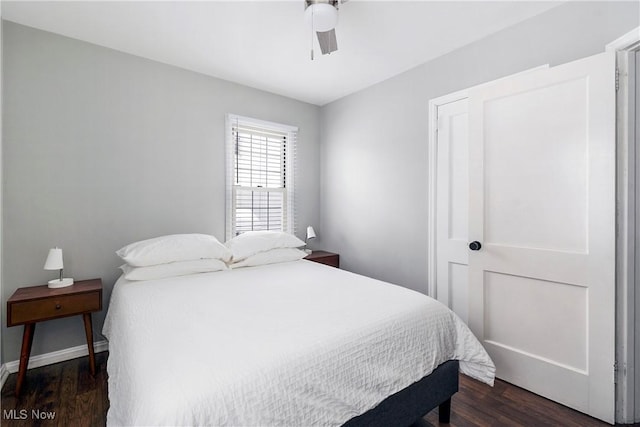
<point>77,399</point>
<point>66,389</point>
<point>477,404</point>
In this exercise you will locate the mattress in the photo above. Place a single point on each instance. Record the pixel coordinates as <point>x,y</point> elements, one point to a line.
<point>295,343</point>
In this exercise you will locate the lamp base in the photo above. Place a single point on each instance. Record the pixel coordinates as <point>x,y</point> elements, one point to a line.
<point>57,283</point>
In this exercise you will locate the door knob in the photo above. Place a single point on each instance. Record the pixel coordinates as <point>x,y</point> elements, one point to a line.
<point>475,245</point>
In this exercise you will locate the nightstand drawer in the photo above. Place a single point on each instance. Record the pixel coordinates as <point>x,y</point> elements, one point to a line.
<point>59,306</point>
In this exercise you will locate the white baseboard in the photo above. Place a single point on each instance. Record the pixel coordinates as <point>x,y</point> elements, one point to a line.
<point>51,358</point>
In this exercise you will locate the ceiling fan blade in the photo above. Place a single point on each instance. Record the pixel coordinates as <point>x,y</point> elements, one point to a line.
<point>327,40</point>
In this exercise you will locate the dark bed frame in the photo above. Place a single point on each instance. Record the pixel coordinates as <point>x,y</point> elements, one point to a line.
<point>412,403</point>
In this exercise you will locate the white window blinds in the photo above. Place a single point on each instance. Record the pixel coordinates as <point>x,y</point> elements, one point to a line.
<point>260,176</point>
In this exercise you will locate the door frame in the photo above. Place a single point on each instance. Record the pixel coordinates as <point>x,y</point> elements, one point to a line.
<point>628,294</point>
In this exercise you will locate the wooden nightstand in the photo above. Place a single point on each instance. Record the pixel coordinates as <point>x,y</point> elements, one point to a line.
<point>30,305</point>
<point>324,257</point>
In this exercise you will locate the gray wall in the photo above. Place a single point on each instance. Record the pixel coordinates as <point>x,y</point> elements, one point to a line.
<point>374,142</point>
<point>2,309</point>
<point>636,272</point>
<point>103,148</point>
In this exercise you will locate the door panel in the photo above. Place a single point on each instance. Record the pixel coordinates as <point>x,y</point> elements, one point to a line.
<point>550,155</point>
<point>542,202</point>
<point>458,288</point>
<point>537,307</point>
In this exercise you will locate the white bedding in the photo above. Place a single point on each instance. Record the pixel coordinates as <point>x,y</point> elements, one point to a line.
<point>289,344</point>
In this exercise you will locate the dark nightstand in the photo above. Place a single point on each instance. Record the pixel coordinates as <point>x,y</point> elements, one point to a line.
<point>33,304</point>
<point>324,257</point>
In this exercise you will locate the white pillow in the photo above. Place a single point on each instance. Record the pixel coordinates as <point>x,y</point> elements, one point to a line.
<point>172,248</point>
<point>271,257</point>
<point>253,242</point>
<point>172,269</point>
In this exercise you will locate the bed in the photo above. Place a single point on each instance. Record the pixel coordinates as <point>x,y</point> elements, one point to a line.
<point>287,344</point>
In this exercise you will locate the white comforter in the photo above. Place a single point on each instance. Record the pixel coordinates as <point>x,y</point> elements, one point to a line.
<point>290,344</point>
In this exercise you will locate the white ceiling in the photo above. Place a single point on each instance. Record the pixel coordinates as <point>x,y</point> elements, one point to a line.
<point>266,45</point>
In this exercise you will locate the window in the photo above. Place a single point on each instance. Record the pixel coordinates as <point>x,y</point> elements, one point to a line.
<point>260,175</point>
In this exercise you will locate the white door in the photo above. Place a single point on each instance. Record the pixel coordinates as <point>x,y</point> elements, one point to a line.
<point>452,194</point>
<point>542,205</point>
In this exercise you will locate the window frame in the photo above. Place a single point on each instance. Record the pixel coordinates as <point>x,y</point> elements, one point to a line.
<point>289,166</point>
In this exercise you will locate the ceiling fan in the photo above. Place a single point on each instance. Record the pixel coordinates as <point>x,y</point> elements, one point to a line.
<point>322,17</point>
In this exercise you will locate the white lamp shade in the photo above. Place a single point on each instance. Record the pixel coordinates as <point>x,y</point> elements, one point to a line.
<point>311,233</point>
<point>54,260</point>
<point>321,16</point>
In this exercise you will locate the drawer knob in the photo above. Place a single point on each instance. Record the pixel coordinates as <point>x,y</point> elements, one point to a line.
<point>58,306</point>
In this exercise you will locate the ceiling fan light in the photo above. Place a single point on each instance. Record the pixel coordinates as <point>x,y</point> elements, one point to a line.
<point>321,16</point>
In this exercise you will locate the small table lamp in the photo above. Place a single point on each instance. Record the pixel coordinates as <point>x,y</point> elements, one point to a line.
<point>311,234</point>
<point>54,262</point>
